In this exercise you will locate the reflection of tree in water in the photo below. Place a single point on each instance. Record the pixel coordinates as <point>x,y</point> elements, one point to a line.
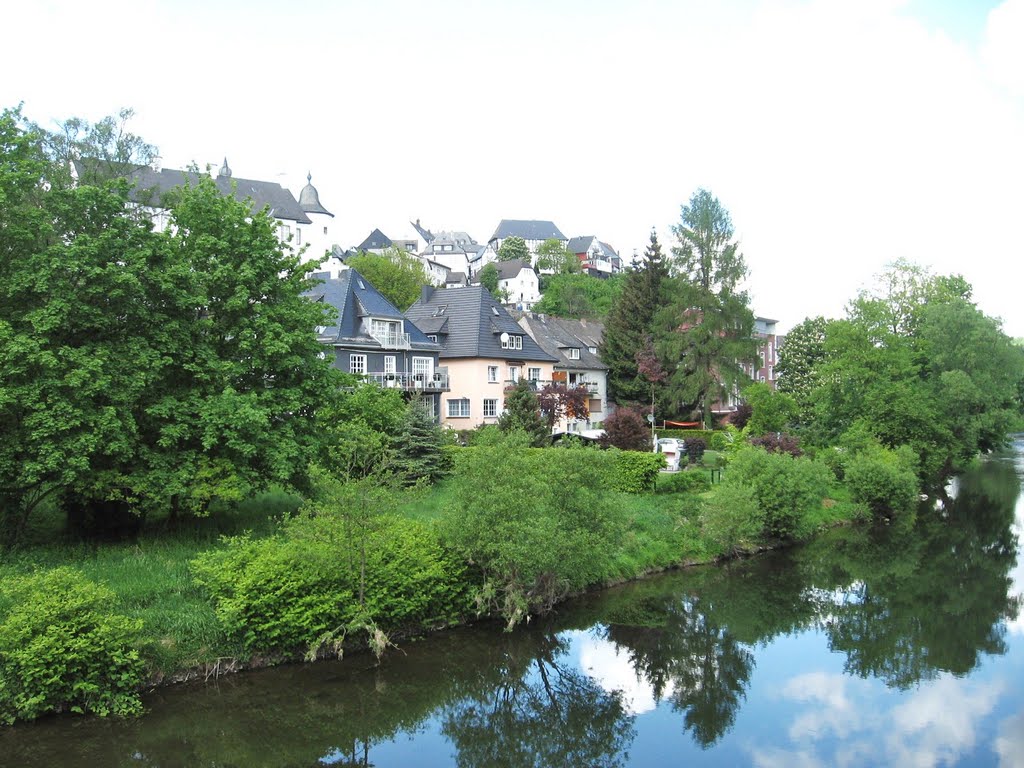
<point>700,667</point>
<point>542,713</point>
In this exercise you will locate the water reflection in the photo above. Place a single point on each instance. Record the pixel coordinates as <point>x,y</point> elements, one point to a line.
<point>927,600</point>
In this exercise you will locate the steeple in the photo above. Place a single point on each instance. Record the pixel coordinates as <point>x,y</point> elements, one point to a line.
<point>225,170</point>
<point>309,198</point>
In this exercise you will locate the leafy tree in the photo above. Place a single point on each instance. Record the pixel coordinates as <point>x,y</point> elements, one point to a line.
<point>578,296</point>
<point>512,248</point>
<point>489,278</point>
<point>359,426</point>
<point>627,429</point>
<point>771,411</point>
<point>630,319</point>
<point>522,414</point>
<point>800,358</point>
<point>706,331</point>
<point>557,401</point>
<point>553,255</point>
<point>398,275</point>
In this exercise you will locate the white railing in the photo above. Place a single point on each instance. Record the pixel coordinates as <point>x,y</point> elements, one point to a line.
<point>393,340</point>
<point>434,382</point>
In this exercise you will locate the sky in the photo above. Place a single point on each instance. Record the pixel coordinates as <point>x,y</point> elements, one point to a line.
<point>840,136</point>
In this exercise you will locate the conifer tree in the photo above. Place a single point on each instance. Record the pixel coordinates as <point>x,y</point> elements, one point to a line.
<point>419,455</point>
<point>522,412</point>
<point>630,321</point>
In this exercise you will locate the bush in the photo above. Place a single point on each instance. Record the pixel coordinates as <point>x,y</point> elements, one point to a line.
<point>627,430</point>
<point>719,440</point>
<point>695,447</point>
<point>732,519</point>
<point>786,488</point>
<point>62,648</point>
<point>636,471</point>
<point>684,482</point>
<point>778,442</point>
<point>881,480</point>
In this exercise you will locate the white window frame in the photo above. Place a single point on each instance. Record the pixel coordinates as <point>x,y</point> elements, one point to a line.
<point>424,365</point>
<point>492,374</point>
<point>514,341</point>
<point>455,410</point>
<point>513,373</point>
<point>574,353</point>
<point>390,364</point>
<point>490,408</point>
<point>357,362</point>
<point>530,374</point>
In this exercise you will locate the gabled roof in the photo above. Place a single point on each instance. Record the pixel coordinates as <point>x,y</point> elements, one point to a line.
<point>582,244</point>
<point>354,297</point>
<point>507,269</point>
<point>475,324</point>
<point>423,232</point>
<point>557,335</point>
<point>151,186</point>
<point>528,229</point>
<point>375,241</point>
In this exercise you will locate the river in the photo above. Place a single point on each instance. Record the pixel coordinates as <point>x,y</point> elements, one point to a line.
<point>893,645</point>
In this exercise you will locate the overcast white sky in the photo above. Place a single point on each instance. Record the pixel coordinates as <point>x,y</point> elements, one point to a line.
<point>840,135</point>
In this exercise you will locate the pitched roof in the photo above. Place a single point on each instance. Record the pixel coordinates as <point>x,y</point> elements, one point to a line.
<point>151,186</point>
<point>354,297</point>
<point>528,229</point>
<point>582,244</point>
<point>507,269</point>
<point>475,324</point>
<point>376,240</point>
<point>423,232</point>
<point>557,335</point>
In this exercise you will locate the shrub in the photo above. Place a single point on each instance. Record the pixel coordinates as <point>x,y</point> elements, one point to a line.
<point>779,442</point>
<point>683,482</point>
<point>719,440</point>
<point>627,430</point>
<point>62,648</point>
<point>741,416</point>
<point>695,447</point>
<point>786,488</point>
<point>732,519</point>
<point>636,471</point>
<point>881,480</point>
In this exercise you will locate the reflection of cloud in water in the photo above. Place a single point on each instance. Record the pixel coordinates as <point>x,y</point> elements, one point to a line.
<point>1010,742</point>
<point>1016,627</point>
<point>934,726</point>
<point>613,671</point>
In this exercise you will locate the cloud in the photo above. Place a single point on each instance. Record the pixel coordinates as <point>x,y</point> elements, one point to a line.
<point>613,671</point>
<point>1010,742</point>
<point>1002,50</point>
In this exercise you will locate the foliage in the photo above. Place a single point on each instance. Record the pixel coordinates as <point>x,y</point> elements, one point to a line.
<point>637,471</point>
<point>553,255</point>
<point>537,524</point>
<point>705,332</point>
<point>358,427</point>
<point>732,519</point>
<point>397,274</point>
<point>578,295</point>
<point>800,360</point>
<point>512,248</point>
<point>883,481</point>
<point>778,442</point>
<point>786,488</point>
<point>626,429</point>
<point>557,401</point>
<point>741,416</point>
<point>489,278</point>
<point>522,414</point>
<point>695,447</point>
<point>419,453</point>
<point>690,481</point>
<point>629,320</point>
<point>771,411</point>
<point>63,649</point>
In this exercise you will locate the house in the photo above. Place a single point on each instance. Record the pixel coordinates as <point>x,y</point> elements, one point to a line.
<point>769,343</point>
<point>518,283</point>
<point>301,223</point>
<point>533,231</point>
<point>483,349</point>
<point>574,343</point>
<point>371,338</point>
<point>597,258</point>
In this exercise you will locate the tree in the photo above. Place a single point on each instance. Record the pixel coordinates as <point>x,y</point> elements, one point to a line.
<point>419,454</point>
<point>629,321</point>
<point>553,255</point>
<point>522,413</point>
<point>706,332</point>
<point>489,278</point>
<point>800,359</point>
<point>626,429</point>
<point>771,411</point>
<point>513,247</point>
<point>557,401</point>
<point>398,275</point>
<point>579,296</point>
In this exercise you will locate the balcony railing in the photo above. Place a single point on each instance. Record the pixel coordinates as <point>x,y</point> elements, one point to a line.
<point>430,382</point>
<point>393,340</point>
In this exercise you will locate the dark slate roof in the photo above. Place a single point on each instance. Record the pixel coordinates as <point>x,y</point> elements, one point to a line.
<point>309,198</point>
<point>528,229</point>
<point>456,277</point>
<point>475,324</point>
<point>556,335</point>
<point>151,186</point>
<point>507,269</point>
<point>423,232</point>
<point>354,297</point>
<point>579,244</point>
<point>376,240</point>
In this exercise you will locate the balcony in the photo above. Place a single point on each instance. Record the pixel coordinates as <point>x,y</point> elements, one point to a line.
<point>436,382</point>
<point>393,340</point>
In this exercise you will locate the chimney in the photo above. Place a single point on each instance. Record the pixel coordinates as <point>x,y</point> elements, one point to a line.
<point>426,292</point>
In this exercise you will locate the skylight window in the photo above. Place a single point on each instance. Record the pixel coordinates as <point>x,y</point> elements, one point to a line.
<point>494,310</point>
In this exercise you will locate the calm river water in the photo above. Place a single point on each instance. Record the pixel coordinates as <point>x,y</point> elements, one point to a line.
<point>901,645</point>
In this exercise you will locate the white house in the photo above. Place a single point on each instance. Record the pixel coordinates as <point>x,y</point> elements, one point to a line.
<point>533,231</point>
<point>517,282</point>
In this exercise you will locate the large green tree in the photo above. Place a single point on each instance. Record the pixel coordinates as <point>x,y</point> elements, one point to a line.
<point>398,275</point>
<point>553,255</point>
<point>630,320</point>
<point>705,332</point>
<point>800,360</point>
<point>514,247</point>
<point>579,296</point>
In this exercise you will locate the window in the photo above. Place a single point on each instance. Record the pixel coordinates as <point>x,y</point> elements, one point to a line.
<point>512,342</point>
<point>325,230</point>
<point>432,337</point>
<point>490,408</point>
<point>533,374</point>
<point>458,409</point>
<point>492,373</point>
<point>357,363</point>
<point>423,366</point>
<point>574,353</point>
<point>513,374</point>
<point>593,350</point>
<point>389,364</point>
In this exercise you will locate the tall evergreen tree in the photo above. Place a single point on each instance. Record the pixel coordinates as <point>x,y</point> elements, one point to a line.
<point>630,321</point>
<point>705,331</point>
<point>522,413</point>
<point>419,454</point>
